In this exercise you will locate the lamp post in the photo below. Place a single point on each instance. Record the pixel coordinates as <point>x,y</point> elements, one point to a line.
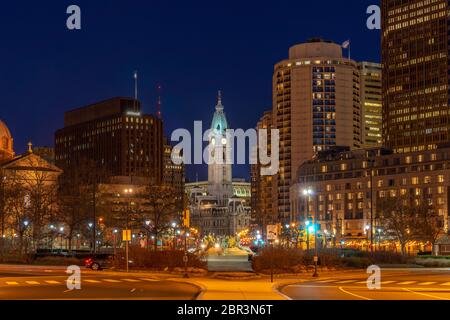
<point>372,164</point>
<point>147,223</point>
<point>307,194</point>
<point>128,193</point>
<point>312,228</point>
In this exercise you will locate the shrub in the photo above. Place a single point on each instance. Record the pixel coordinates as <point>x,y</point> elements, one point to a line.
<point>58,261</point>
<point>160,260</point>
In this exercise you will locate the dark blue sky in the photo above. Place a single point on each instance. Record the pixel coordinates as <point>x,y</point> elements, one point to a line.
<point>193,48</point>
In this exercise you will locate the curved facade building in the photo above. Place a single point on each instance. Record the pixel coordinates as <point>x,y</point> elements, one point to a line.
<point>316,106</point>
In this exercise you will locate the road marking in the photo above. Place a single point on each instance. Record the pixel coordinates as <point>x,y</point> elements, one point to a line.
<point>327,281</point>
<point>426,295</point>
<point>353,294</point>
<point>149,279</point>
<point>346,281</point>
<point>12,283</point>
<point>52,282</point>
<point>387,282</point>
<point>425,283</point>
<point>32,282</point>
<point>111,280</point>
<point>92,281</point>
<point>445,284</point>
<point>130,280</point>
<point>48,271</point>
<point>407,282</point>
<point>362,282</point>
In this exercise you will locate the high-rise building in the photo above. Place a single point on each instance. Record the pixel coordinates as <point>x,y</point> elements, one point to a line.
<point>415,58</point>
<point>316,105</point>
<point>173,174</point>
<point>262,200</point>
<point>371,104</point>
<point>116,136</point>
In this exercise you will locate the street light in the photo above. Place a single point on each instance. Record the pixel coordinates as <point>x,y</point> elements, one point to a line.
<point>127,240</point>
<point>312,228</point>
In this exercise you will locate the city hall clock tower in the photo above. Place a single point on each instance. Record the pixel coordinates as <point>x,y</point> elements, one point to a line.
<point>219,166</point>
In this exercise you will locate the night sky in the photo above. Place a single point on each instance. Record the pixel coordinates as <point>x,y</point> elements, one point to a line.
<point>192,48</point>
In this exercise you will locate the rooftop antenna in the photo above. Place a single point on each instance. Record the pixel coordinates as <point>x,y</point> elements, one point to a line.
<point>159,104</point>
<point>135,85</point>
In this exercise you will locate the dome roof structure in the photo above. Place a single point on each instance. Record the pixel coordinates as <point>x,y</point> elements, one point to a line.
<point>219,122</point>
<point>6,143</point>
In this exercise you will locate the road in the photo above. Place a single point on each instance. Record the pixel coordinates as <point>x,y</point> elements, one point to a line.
<point>34,282</point>
<point>404,284</point>
<point>233,260</point>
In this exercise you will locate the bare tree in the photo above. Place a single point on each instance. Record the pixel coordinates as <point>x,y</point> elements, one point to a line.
<point>429,226</point>
<point>162,208</point>
<point>398,218</point>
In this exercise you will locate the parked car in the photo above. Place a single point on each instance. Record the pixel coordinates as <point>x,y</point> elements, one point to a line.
<point>99,261</point>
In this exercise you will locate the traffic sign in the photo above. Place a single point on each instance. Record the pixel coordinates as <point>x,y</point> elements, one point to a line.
<point>126,235</point>
<point>272,232</point>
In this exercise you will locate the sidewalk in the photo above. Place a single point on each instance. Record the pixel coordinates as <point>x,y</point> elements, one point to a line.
<point>216,289</point>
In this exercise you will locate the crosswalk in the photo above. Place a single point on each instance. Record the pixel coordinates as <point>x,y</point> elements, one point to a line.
<point>387,282</point>
<point>38,282</point>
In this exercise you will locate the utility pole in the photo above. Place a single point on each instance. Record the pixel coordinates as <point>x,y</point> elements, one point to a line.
<point>372,162</point>
<point>94,223</point>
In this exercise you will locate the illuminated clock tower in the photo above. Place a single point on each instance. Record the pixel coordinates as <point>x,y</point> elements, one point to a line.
<point>219,166</point>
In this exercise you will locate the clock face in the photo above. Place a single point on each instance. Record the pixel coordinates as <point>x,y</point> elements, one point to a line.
<point>224,141</point>
<point>213,141</point>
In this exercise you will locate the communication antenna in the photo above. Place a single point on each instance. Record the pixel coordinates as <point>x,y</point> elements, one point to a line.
<point>159,104</point>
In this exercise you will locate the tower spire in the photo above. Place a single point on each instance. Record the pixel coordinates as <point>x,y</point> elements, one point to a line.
<point>219,106</point>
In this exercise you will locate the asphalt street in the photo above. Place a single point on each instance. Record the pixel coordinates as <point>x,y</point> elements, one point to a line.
<point>406,284</point>
<point>31,282</point>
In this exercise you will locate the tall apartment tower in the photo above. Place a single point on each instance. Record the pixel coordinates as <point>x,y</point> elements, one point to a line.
<point>116,136</point>
<point>371,104</point>
<point>415,58</point>
<point>316,105</point>
<point>173,174</point>
<point>262,198</point>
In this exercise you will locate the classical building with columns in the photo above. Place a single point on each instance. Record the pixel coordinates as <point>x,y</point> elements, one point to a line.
<point>216,208</point>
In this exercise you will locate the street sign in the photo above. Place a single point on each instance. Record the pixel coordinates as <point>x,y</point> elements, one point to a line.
<point>272,232</point>
<point>316,259</point>
<point>126,235</point>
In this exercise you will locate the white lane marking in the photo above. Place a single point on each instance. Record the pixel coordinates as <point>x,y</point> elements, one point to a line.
<point>327,281</point>
<point>52,282</point>
<point>149,279</point>
<point>445,284</point>
<point>426,283</point>
<point>354,294</point>
<point>424,294</point>
<point>12,283</point>
<point>407,282</point>
<point>387,282</point>
<point>111,280</point>
<point>130,280</point>
<point>48,270</point>
<point>32,282</point>
<point>92,281</point>
<point>362,282</point>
